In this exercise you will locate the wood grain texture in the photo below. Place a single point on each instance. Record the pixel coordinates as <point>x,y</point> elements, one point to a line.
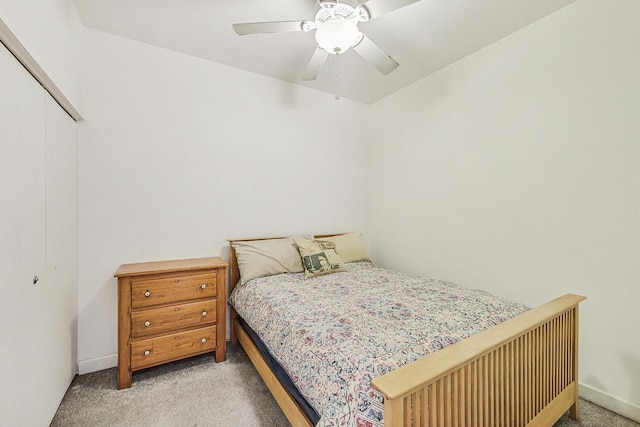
<point>170,288</point>
<point>156,267</point>
<point>522,372</point>
<point>221,316</point>
<point>180,316</point>
<point>518,373</point>
<point>169,310</point>
<point>172,347</point>
<point>124,333</point>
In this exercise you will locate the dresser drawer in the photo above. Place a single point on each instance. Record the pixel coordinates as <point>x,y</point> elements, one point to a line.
<point>168,289</point>
<point>159,320</point>
<point>150,352</point>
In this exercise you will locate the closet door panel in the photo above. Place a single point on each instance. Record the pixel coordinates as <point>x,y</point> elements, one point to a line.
<point>61,290</point>
<point>11,348</point>
<point>36,362</point>
<point>32,179</point>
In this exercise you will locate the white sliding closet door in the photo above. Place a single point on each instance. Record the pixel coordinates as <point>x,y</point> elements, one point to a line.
<point>61,250</point>
<point>38,341</point>
<point>10,349</point>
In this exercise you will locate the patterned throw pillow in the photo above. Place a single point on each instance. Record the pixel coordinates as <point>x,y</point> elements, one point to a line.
<point>319,257</point>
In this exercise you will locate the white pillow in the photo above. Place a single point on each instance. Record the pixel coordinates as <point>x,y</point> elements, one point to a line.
<point>351,247</point>
<point>259,258</point>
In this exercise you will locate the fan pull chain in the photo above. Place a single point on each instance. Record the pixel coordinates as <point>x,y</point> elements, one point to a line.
<point>337,97</point>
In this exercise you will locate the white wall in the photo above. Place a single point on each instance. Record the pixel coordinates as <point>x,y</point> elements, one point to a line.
<point>517,170</point>
<point>177,154</point>
<point>50,31</point>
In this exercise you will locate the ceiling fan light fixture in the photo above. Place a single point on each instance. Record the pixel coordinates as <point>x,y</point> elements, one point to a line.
<point>336,26</point>
<point>338,35</point>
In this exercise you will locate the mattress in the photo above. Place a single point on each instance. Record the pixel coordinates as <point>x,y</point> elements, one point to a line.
<point>332,334</point>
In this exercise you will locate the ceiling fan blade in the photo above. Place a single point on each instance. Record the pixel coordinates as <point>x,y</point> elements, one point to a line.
<point>267,27</point>
<point>317,61</point>
<point>378,8</point>
<point>376,56</point>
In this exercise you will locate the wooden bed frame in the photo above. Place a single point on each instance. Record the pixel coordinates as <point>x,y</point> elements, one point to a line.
<point>522,372</point>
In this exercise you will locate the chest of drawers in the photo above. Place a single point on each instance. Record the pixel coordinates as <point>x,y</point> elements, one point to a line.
<point>169,310</point>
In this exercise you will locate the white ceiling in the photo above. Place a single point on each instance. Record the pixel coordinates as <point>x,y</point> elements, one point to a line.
<point>423,37</point>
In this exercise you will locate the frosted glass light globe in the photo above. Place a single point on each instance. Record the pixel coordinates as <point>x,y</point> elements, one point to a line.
<point>338,35</point>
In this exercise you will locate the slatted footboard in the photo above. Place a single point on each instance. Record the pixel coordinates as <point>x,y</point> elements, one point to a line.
<point>522,372</point>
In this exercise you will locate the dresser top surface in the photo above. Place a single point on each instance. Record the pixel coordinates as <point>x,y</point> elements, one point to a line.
<point>156,267</point>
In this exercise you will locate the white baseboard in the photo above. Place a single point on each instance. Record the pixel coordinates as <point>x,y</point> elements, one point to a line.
<point>97,364</point>
<point>612,403</point>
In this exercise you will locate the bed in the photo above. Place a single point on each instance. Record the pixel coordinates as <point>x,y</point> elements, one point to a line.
<point>515,370</point>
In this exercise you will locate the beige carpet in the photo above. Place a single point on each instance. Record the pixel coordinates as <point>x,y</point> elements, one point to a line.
<point>200,392</point>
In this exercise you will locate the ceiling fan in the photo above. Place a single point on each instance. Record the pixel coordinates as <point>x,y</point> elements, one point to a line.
<point>336,24</point>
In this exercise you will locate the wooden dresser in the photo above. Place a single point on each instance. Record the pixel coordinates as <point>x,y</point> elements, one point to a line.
<point>169,310</point>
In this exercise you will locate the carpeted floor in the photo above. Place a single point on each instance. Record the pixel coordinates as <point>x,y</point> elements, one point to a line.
<point>200,392</point>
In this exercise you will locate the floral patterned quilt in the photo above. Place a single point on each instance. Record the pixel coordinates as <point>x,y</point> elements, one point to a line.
<point>332,334</point>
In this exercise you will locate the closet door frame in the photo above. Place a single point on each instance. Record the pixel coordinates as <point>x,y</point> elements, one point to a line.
<point>10,295</point>
<point>18,50</point>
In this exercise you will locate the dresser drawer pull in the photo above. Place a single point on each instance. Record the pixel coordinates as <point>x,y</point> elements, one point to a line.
<point>147,294</point>
<point>147,324</point>
<point>204,313</point>
<point>203,286</point>
<point>147,352</point>
<point>203,340</point>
